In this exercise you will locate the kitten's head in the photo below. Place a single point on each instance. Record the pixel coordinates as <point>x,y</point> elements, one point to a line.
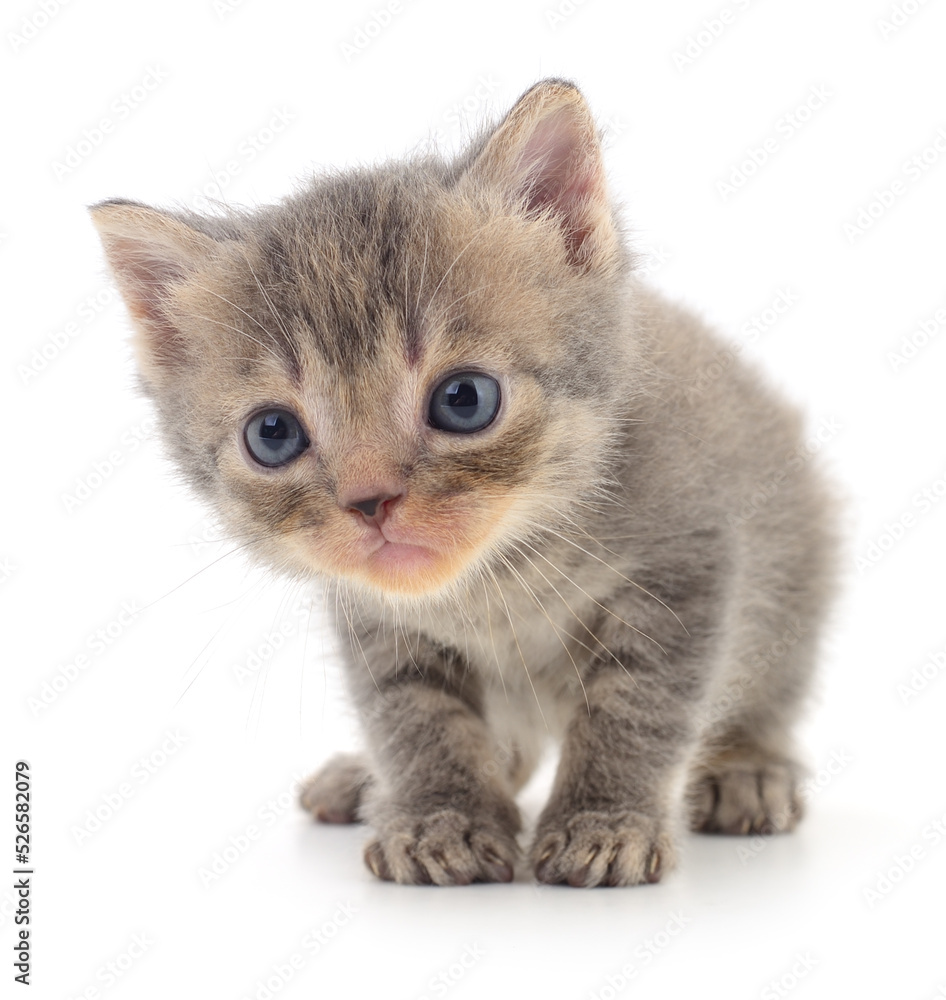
<point>397,375</point>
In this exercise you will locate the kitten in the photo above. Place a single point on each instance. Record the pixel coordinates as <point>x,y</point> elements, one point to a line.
<point>541,505</point>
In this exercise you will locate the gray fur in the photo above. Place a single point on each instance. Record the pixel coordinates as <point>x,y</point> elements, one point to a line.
<point>621,593</point>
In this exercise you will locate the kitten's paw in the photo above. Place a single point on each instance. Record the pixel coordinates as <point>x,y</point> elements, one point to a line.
<point>334,793</point>
<point>602,848</point>
<point>446,847</point>
<point>743,795</point>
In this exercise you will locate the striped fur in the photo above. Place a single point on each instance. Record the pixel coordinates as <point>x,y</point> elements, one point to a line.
<point>589,572</point>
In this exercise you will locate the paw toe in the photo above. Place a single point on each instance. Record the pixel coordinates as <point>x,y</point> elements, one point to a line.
<point>334,793</point>
<point>745,799</point>
<point>593,849</point>
<point>445,848</point>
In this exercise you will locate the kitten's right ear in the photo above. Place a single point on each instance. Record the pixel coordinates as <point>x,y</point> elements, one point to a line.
<point>546,156</point>
<point>150,253</point>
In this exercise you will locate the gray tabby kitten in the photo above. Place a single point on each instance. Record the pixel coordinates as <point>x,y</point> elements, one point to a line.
<point>438,387</point>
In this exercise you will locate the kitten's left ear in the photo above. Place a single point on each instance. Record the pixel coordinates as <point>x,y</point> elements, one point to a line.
<point>546,155</point>
<point>151,253</point>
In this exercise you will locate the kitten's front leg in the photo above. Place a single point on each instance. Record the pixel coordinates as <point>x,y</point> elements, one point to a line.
<point>611,816</point>
<point>439,813</point>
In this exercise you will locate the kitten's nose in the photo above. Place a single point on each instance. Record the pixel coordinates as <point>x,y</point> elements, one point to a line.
<point>374,509</point>
<point>367,507</point>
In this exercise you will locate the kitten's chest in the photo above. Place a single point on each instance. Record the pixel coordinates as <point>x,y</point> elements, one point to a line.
<point>532,626</point>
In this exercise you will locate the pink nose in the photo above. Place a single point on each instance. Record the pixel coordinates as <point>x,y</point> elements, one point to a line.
<point>374,509</point>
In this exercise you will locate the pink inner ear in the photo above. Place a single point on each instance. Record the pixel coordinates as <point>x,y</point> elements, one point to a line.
<point>144,274</point>
<point>561,169</point>
<point>145,270</point>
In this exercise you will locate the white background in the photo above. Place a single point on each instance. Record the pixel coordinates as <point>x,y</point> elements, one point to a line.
<point>97,535</point>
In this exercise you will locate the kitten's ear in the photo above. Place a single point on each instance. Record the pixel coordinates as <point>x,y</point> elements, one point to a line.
<point>546,155</point>
<point>150,253</point>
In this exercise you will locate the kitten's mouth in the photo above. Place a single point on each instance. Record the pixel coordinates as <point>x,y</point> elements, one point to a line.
<point>409,555</point>
<point>401,557</point>
<point>396,560</point>
<point>393,548</point>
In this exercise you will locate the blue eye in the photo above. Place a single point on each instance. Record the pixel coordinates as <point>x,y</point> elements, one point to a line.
<point>275,437</point>
<point>464,403</point>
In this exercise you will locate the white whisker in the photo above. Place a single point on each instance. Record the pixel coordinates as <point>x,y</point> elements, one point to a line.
<point>518,647</point>
<point>555,628</point>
